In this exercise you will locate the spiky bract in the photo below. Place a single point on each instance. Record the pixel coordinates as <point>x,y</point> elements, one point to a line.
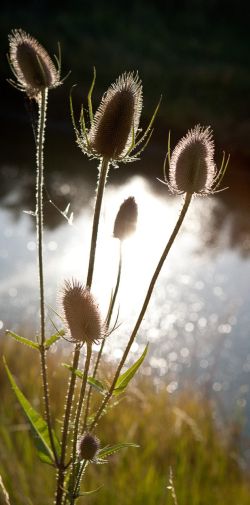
<point>114,129</point>
<point>88,446</point>
<point>81,313</point>
<point>126,219</point>
<point>192,166</point>
<point>31,64</point>
<point>117,118</point>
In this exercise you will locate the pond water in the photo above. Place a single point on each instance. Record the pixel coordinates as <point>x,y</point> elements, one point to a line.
<point>198,320</point>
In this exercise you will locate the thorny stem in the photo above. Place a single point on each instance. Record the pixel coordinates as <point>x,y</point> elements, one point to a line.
<point>110,312</point>
<point>43,99</point>
<point>99,196</point>
<point>170,242</point>
<point>70,396</point>
<point>79,406</point>
<point>104,167</point>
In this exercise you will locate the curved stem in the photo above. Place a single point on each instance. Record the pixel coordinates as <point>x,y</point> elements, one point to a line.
<point>79,406</point>
<point>39,226</point>
<point>68,406</point>
<point>170,242</point>
<point>110,312</point>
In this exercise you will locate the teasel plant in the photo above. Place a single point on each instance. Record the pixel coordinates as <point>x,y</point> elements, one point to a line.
<point>111,135</point>
<point>192,172</point>
<point>36,74</point>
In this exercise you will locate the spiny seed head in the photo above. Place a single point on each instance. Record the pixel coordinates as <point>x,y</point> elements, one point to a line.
<point>31,64</point>
<point>81,313</point>
<point>117,118</point>
<point>126,219</point>
<point>192,167</point>
<point>88,446</point>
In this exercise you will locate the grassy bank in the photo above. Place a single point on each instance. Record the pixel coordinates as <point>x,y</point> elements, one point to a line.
<point>176,431</point>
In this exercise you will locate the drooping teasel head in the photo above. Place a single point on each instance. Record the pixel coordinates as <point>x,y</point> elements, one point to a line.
<point>88,446</point>
<point>114,129</point>
<point>81,313</point>
<point>31,64</point>
<point>192,168</point>
<point>126,219</point>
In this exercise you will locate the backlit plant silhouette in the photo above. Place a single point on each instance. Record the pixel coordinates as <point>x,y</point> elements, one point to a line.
<point>112,135</point>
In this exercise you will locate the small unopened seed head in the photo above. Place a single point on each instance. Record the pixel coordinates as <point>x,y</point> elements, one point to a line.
<point>32,66</point>
<point>192,167</point>
<point>81,313</point>
<point>88,446</point>
<point>126,219</point>
<point>117,118</point>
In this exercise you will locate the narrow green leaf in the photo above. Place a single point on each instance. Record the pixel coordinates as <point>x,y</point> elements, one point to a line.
<point>126,377</point>
<point>86,493</point>
<point>50,341</point>
<point>111,449</point>
<point>23,340</point>
<point>39,427</point>
<point>78,373</point>
<point>97,384</point>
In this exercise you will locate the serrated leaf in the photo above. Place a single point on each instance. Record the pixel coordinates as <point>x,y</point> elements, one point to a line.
<point>23,340</point>
<point>50,341</point>
<point>38,425</point>
<point>126,377</point>
<point>111,449</point>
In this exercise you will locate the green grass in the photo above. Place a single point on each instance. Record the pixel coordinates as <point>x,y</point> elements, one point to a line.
<point>176,431</point>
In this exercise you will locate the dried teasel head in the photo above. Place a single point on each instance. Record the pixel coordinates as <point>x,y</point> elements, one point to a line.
<point>81,313</point>
<point>191,167</point>
<point>114,132</point>
<point>88,446</point>
<point>126,219</point>
<point>117,118</point>
<point>31,64</point>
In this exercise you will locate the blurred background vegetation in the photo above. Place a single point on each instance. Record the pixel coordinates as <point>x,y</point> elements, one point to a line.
<point>194,53</point>
<point>173,431</point>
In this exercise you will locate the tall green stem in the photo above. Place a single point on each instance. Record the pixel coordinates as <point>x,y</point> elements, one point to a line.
<point>39,225</point>
<point>67,413</point>
<point>110,312</point>
<point>79,407</point>
<point>104,167</point>
<point>170,242</point>
<point>99,196</point>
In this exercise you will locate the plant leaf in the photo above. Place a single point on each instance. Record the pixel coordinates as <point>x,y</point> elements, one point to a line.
<point>39,427</point>
<point>78,373</point>
<point>23,340</point>
<point>97,384</point>
<point>111,449</point>
<point>50,341</point>
<point>126,377</point>
<point>86,493</point>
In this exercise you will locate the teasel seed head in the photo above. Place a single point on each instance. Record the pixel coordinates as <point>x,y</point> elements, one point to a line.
<point>31,64</point>
<point>114,132</point>
<point>81,313</point>
<point>88,446</point>
<point>126,219</point>
<point>117,117</point>
<point>192,167</point>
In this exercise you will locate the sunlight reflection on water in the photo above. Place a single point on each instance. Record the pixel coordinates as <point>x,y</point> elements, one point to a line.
<point>199,313</point>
